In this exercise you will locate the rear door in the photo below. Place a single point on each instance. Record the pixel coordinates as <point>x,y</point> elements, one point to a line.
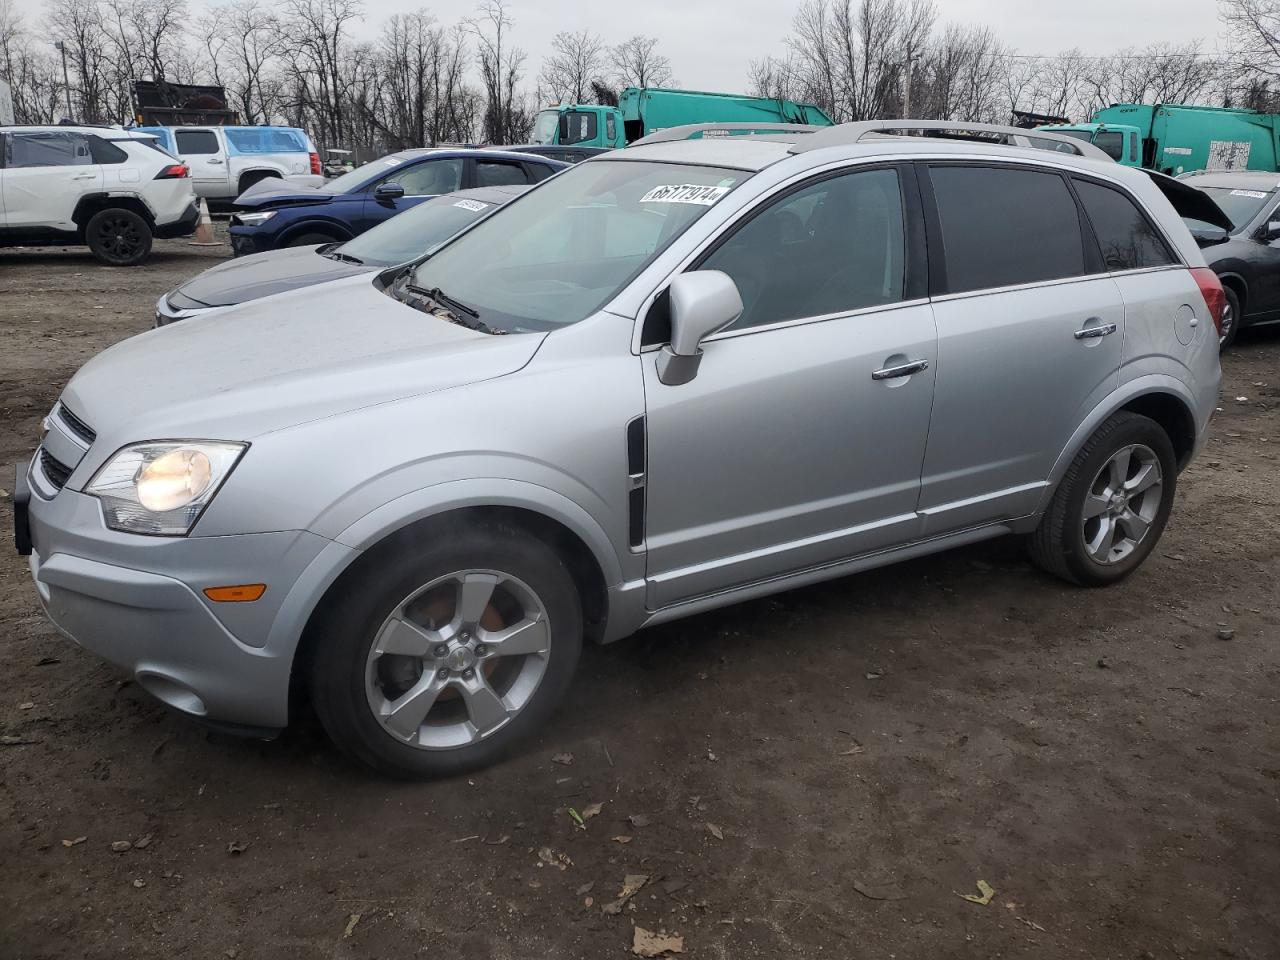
<point>202,149</point>
<point>46,173</point>
<point>1030,337</point>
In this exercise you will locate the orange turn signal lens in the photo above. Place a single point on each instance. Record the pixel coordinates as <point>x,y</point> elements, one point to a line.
<point>245,593</point>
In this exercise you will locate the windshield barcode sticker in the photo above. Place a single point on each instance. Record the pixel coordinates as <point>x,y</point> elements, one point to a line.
<point>685,193</point>
<point>473,205</point>
<point>1251,194</point>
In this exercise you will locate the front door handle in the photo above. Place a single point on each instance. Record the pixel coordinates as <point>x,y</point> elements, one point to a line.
<point>1092,333</point>
<point>83,176</point>
<point>900,370</point>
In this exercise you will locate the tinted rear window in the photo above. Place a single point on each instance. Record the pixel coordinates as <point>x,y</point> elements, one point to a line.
<point>1006,226</point>
<point>1127,238</point>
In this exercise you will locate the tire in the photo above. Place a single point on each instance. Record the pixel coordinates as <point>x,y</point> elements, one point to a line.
<point>355,684</point>
<point>1231,319</point>
<point>1069,545</point>
<point>118,237</point>
<point>309,239</point>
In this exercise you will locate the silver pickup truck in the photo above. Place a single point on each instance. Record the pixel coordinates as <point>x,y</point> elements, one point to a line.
<point>227,161</point>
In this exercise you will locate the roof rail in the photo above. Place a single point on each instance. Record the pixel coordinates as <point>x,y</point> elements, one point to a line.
<point>847,133</point>
<point>711,130</point>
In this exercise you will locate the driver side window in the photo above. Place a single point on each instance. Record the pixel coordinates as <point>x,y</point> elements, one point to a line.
<point>831,247</point>
<point>429,179</point>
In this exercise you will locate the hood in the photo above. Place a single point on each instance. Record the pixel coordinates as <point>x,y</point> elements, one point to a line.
<point>274,192</point>
<point>239,373</point>
<point>1187,201</point>
<point>263,274</point>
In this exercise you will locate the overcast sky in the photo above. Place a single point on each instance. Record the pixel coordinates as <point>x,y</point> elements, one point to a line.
<point>710,42</point>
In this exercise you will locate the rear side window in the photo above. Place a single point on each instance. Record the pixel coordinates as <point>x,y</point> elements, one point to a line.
<point>105,152</point>
<point>539,171</point>
<point>1006,226</point>
<point>266,140</point>
<point>1127,238</point>
<point>197,142</point>
<point>490,173</point>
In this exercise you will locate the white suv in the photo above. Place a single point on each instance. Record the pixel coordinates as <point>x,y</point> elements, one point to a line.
<point>113,190</point>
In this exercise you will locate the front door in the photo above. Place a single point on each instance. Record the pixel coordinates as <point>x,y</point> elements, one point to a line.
<point>420,181</point>
<point>800,440</point>
<point>46,174</point>
<point>1030,338</point>
<point>202,150</point>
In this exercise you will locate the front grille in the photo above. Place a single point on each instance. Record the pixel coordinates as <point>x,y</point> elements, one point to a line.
<point>77,426</point>
<point>55,471</point>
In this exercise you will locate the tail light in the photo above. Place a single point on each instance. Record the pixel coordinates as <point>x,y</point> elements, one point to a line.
<point>1215,298</point>
<point>315,163</point>
<point>174,171</point>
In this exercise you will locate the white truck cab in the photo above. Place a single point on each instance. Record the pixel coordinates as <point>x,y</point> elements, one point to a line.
<point>226,161</point>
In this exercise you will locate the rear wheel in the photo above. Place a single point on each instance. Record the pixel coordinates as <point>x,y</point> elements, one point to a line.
<point>1231,318</point>
<point>118,237</point>
<point>443,654</point>
<point>1112,505</point>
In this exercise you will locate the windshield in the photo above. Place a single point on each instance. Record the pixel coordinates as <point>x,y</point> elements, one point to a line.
<point>545,126</point>
<point>1085,135</point>
<point>350,182</point>
<point>409,235</point>
<point>569,246</point>
<point>1240,206</point>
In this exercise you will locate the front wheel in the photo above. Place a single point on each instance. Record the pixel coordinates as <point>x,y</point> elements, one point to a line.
<point>442,654</point>
<point>118,237</point>
<point>1111,506</point>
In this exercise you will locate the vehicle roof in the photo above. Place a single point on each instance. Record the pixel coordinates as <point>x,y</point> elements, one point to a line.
<point>755,152</point>
<point>485,152</point>
<point>1258,179</point>
<point>107,133</point>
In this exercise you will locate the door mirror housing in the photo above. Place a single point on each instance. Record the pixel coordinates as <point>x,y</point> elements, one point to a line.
<point>388,192</point>
<point>702,303</point>
<point>1273,230</point>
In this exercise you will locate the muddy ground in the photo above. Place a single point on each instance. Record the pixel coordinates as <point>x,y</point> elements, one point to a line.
<point>823,773</point>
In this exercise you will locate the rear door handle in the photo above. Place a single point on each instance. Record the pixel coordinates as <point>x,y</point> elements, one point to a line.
<point>83,176</point>
<point>1092,333</point>
<point>900,370</point>
<point>215,161</point>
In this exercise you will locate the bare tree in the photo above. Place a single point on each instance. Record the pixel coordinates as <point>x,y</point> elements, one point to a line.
<point>575,61</point>
<point>637,63</point>
<point>506,118</point>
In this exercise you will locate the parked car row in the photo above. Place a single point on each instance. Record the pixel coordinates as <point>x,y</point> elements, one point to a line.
<point>667,379</point>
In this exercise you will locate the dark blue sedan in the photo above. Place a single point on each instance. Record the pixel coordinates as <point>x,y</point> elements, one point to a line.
<point>273,214</point>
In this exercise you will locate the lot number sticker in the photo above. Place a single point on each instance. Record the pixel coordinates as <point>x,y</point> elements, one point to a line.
<point>474,205</point>
<point>1251,194</point>
<point>685,193</point>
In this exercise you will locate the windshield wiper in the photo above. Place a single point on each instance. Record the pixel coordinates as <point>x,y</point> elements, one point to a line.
<point>336,254</point>
<point>452,308</point>
<point>438,295</point>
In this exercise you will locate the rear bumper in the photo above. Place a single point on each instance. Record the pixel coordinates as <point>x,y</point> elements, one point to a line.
<point>184,226</point>
<point>137,602</point>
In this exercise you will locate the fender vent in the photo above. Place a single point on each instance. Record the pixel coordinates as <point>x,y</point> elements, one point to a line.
<point>636,481</point>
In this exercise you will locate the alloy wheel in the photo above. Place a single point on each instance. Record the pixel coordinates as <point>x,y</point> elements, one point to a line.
<point>457,659</point>
<point>1122,503</point>
<point>119,237</point>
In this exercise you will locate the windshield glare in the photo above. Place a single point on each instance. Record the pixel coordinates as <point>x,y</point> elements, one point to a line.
<point>359,177</point>
<point>544,128</point>
<point>409,235</point>
<point>570,245</point>
<point>1240,206</point>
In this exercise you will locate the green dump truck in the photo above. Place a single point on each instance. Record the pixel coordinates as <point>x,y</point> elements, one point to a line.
<point>1175,139</point>
<point>643,110</point>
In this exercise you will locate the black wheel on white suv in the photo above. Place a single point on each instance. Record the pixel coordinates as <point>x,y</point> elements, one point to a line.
<point>1112,504</point>
<point>118,237</point>
<point>444,652</point>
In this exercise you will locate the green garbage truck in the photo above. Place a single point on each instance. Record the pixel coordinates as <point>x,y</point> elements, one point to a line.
<point>1176,138</point>
<point>644,110</point>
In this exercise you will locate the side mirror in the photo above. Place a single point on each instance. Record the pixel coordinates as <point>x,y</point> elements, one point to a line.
<point>1273,230</point>
<point>702,302</point>
<point>388,192</point>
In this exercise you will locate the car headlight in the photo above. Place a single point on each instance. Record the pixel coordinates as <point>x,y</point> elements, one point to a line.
<point>254,219</point>
<point>162,487</point>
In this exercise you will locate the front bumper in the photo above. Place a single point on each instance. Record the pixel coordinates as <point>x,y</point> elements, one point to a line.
<point>184,226</point>
<point>137,602</point>
<point>246,240</point>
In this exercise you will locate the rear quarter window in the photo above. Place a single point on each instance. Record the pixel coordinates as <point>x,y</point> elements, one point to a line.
<point>266,140</point>
<point>1006,226</point>
<point>1127,238</point>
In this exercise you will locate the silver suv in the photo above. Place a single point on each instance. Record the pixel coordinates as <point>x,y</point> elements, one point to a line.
<point>671,378</point>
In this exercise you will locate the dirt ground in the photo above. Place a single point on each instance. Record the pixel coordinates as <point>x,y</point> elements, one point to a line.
<point>823,773</point>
